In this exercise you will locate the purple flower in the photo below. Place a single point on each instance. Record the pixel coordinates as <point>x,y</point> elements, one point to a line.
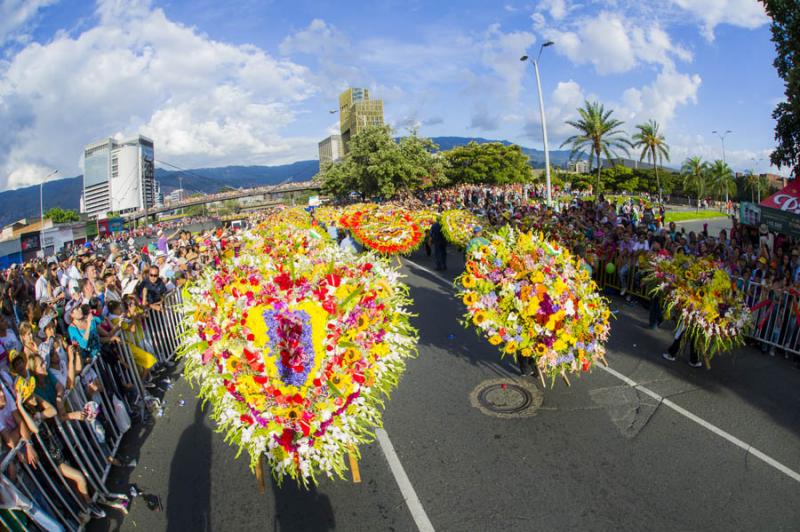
<point>290,341</point>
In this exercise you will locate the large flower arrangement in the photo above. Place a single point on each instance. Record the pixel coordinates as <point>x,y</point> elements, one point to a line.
<point>530,298</point>
<point>327,215</point>
<point>296,344</point>
<point>459,226</point>
<point>349,214</point>
<point>425,218</point>
<point>704,300</point>
<point>386,229</point>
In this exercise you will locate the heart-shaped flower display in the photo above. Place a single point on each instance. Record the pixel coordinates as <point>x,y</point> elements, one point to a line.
<point>530,298</point>
<point>296,344</point>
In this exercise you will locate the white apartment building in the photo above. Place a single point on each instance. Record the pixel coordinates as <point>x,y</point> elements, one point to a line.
<point>119,176</point>
<point>331,149</point>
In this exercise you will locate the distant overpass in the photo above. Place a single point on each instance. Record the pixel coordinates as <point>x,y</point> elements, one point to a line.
<point>272,190</point>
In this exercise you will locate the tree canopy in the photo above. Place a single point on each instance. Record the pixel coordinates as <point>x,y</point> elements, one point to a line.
<point>598,133</point>
<point>491,163</point>
<point>377,165</point>
<point>60,216</point>
<point>785,16</point>
<point>653,145</point>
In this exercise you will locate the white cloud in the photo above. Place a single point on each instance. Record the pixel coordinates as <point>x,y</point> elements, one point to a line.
<point>558,9</point>
<point>217,104</point>
<point>318,38</point>
<point>659,99</point>
<point>614,44</point>
<point>711,13</point>
<point>500,52</point>
<point>16,14</point>
<point>560,106</point>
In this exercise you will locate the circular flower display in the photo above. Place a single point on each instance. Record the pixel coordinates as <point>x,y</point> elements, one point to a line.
<point>530,298</point>
<point>425,218</point>
<point>704,300</point>
<point>459,226</point>
<point>296,344</point>
<point>386,229</point>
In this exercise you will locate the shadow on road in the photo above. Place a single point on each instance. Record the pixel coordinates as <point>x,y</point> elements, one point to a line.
<point>299,509</point>
<point>189,495</point>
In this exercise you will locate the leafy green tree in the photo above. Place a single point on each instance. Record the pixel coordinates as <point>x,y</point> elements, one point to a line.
<point>598,133</point>
<point>721,179</point>
<point>785,16</point>
<point>60,216</point>
<point>491,162</point>
<point>695,173</point>
<point>377,165</point>
<point>653,145</point>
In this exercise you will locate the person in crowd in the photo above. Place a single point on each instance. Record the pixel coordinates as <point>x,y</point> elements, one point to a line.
<point>439,245</point>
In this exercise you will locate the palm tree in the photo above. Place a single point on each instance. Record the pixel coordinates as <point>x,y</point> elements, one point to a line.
<point>694,172</point>
<point>654,146</point>
<point>599,134</point>
<point>721,178</point>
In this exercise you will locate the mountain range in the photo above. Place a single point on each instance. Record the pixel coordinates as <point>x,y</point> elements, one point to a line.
<point>66,193</point>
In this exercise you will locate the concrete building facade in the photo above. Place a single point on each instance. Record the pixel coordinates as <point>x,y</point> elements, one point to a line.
<point>119,176</point>
<point>357,111</point>
<point>331,149</point>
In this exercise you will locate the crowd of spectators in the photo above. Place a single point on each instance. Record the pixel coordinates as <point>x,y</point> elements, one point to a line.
<point>57,314</point>
<point>627,231</point>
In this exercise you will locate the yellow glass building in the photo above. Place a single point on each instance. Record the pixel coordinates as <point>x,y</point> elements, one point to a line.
<point>357,111</point>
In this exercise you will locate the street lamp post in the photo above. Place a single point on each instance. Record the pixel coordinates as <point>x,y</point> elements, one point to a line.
<point>722,140</point>
<point>541,112</point>
<point>758,176</point>
<point>41,209</point>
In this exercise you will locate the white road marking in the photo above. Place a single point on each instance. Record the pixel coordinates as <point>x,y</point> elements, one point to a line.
<point>410,496</point>
<point>794,475</point>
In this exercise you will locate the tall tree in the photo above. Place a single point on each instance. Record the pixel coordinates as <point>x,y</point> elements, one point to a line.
<point>377,165</point>
<point>490,162</point>
<point>653,145</point>
<point>785,16</point>
<point>694,171</point>
<point>721,178</point>
<point>599,134</point>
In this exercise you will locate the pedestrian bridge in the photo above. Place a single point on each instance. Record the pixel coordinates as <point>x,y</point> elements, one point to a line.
<point>270,192</point>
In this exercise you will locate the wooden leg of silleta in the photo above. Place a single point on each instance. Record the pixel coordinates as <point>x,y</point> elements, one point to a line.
<point>260,475</point>
<point>354,466</point>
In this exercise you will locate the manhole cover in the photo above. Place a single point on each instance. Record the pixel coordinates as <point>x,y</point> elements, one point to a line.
<point>507,398</point>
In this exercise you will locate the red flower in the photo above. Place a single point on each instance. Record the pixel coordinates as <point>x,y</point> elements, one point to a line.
<point>283,281</point>
<point>244,418</point>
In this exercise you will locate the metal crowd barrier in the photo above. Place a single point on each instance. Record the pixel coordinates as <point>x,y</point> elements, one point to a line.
<point>627,274</point>
<point>42,498</point>
<point>776,313</point>
<point>776,318</point>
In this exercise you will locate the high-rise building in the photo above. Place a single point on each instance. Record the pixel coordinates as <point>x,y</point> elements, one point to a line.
<point>357,111</point>
<point>331,149</point>
<point>119,176</point>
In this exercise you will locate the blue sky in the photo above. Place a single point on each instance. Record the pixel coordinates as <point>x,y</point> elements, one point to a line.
<point>250,82</point>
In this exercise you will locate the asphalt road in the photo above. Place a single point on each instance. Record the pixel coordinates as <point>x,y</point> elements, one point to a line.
<point>598,455</point>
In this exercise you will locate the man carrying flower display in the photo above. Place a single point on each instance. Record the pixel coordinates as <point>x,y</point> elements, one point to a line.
<point>672,351</point>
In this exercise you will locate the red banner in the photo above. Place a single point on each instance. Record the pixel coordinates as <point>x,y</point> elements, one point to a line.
<point>787,199</point>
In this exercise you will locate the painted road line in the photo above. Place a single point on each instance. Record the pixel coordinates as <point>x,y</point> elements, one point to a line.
<point>410,496</point>
<point>794,475</point>
<point>709,426</point>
